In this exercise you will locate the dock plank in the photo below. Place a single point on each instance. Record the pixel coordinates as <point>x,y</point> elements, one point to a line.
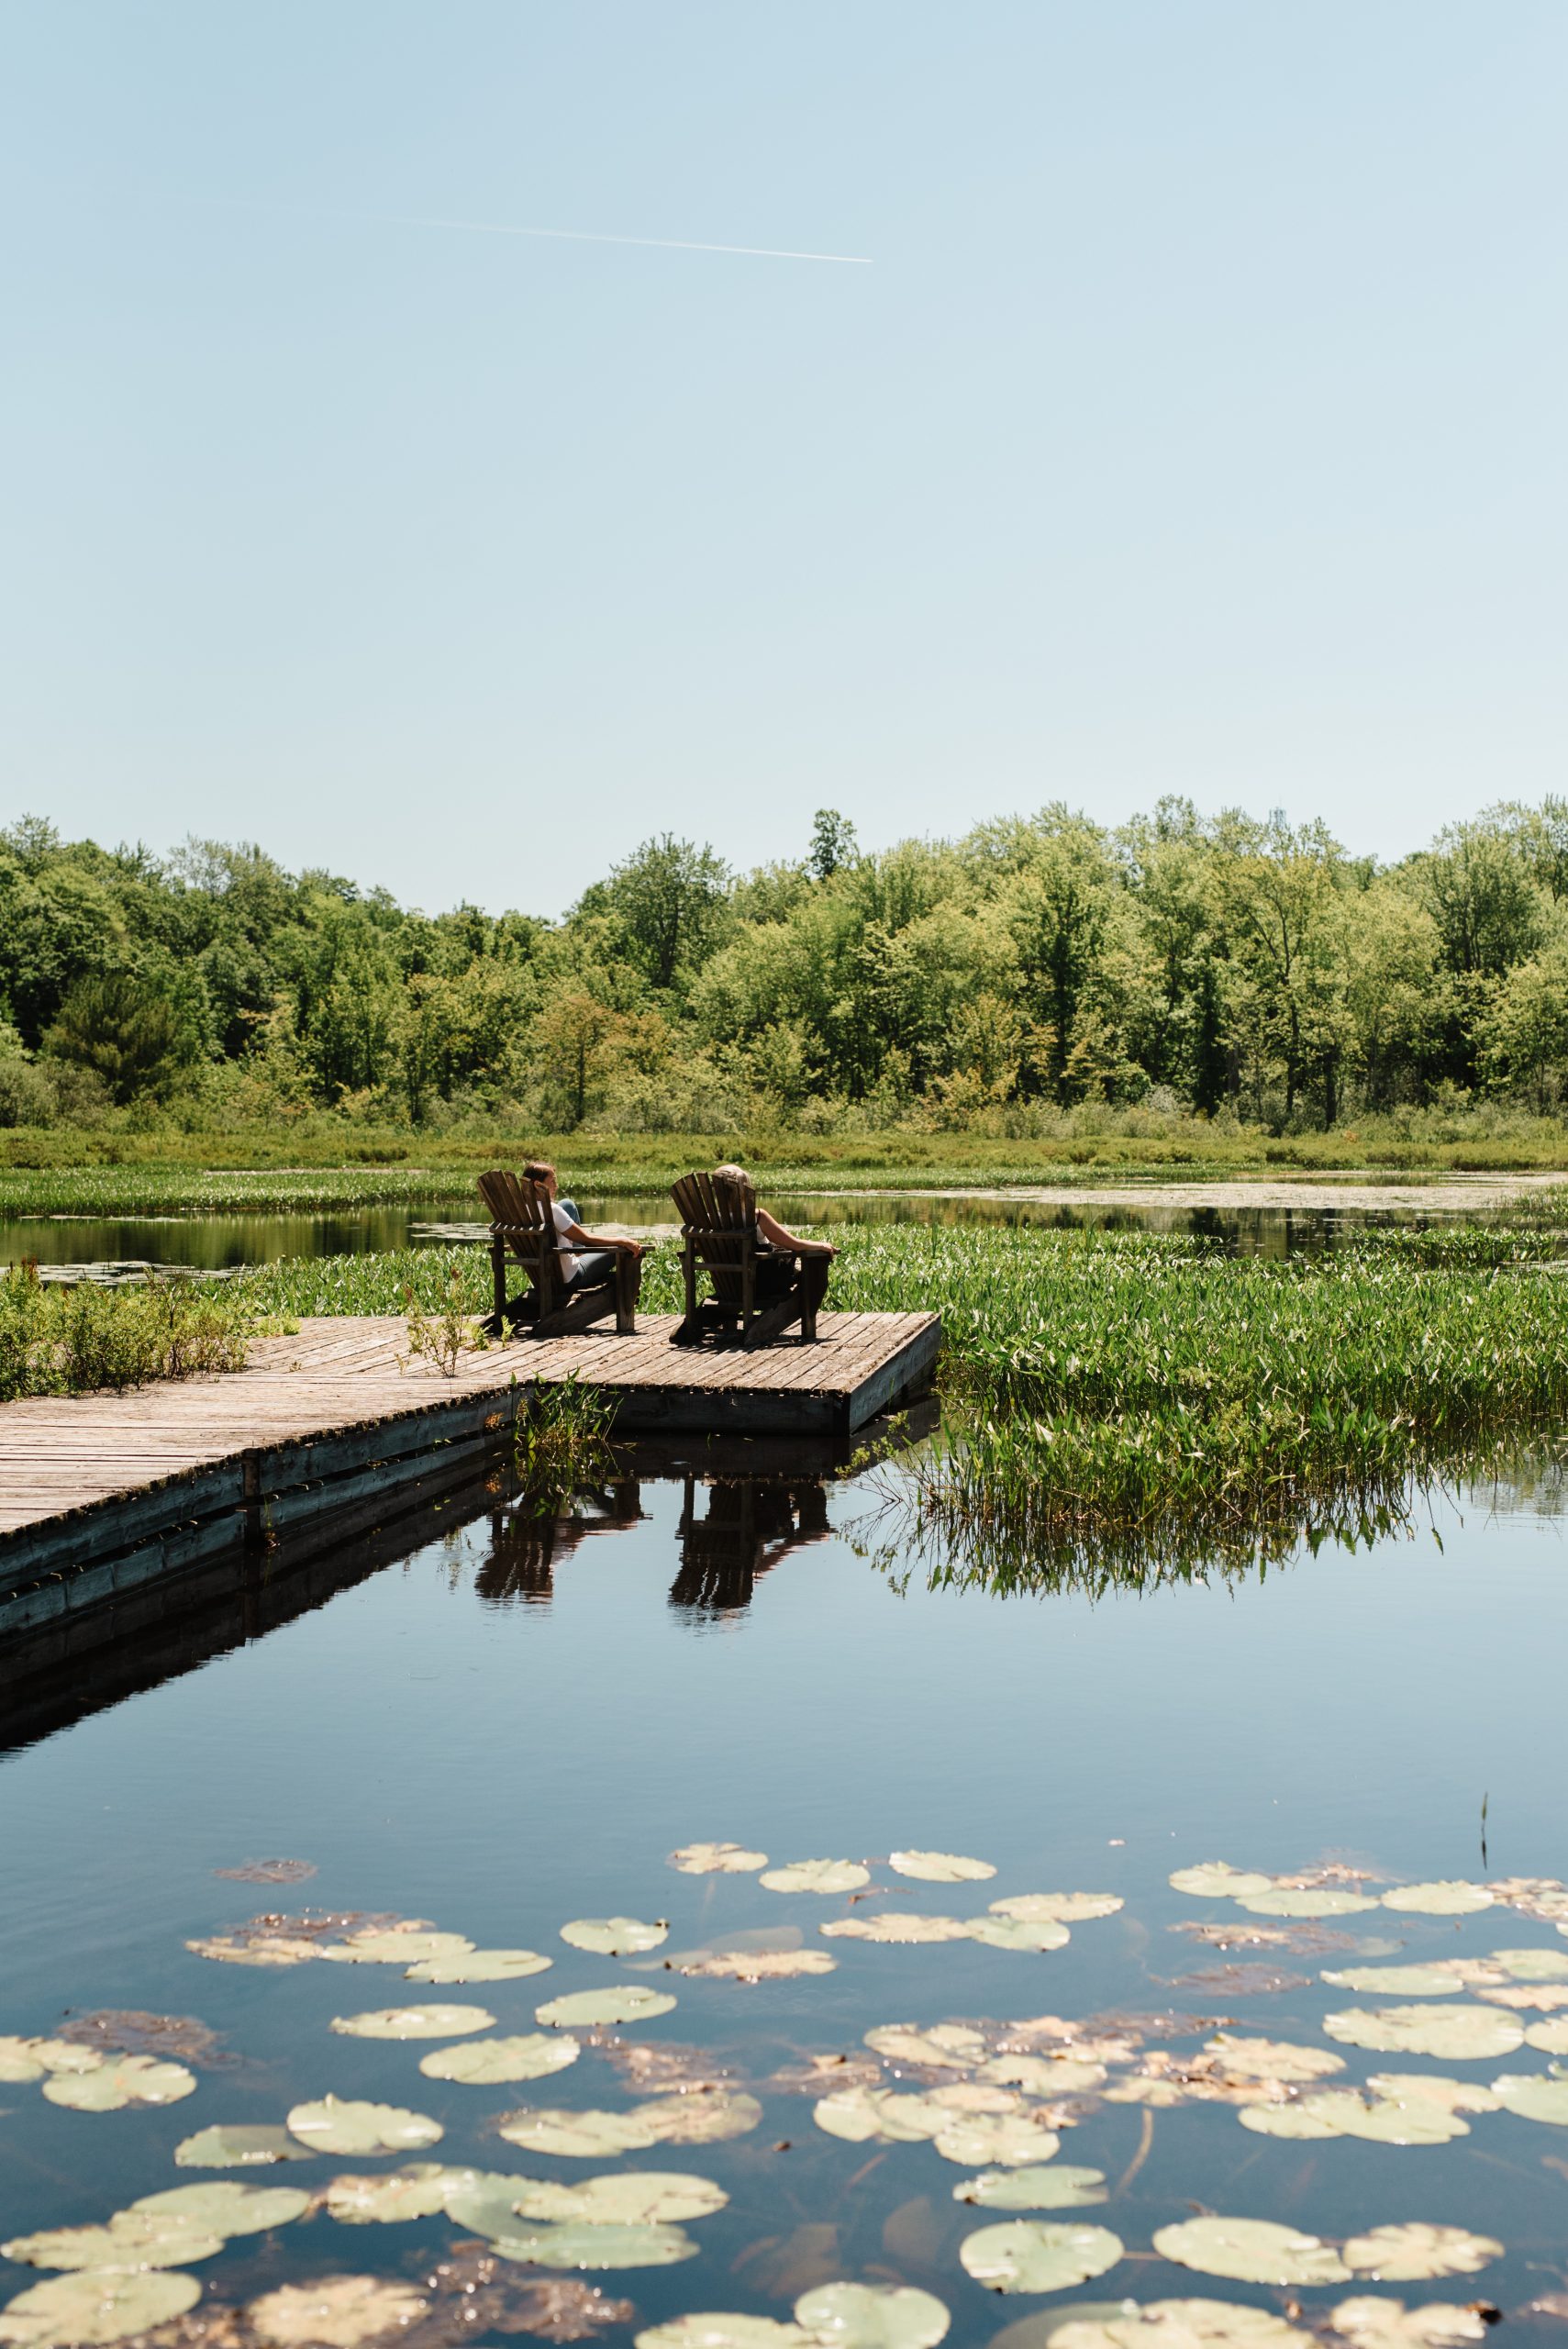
<point>341,1396</point>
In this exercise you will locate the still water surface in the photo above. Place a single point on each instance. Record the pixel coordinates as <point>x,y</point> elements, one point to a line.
<point>504,1730</point>
<point>219,1242</point>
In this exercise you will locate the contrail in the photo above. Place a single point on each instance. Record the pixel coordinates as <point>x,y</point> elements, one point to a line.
<point>506,228</point>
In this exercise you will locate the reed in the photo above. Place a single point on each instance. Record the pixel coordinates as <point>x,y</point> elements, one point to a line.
<point>58,1341</point>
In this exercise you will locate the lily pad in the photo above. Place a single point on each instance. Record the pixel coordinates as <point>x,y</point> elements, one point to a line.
<point>1408,2255</point>
<point>223,2207</point>
<point>1532,1965</point>
<point>119,2081</point>
<point>940,1867</point>
<point>624,2199</point>
<point>130,2239</point>
<point>1179,2324</point>
<point>1033,1933</point>
<point>227,1949</point>
<point>335,2312</point>
<point>247,2145</point>
<point>872,2316</point>
<point>414,1947</point>
<point>19,2062</point>
<point>1251,2251</point>
<point>480,1965</point>
<point>762,1965</point>
<point>880,2115</point>
<point>1433,2087</point>
<point>331,2124</point>
<point>720,2330</point>
<point>896,1925</point>
<point>1454,2034</point>
<point>1299,2119</point>
<point>1066,1908</point>
<point>1217,1881</point>
<point>615,1936</point>
<point>626,2002</point>
<point>700,2116</point>
<point>414,2022</point>
<point>717,1859</point>
<point>1387,2121</point>
<point>1044,2075</point>
<point>1038,2255</point>
<point>946,2045</point>
<point>1304,1900</point>
<point>1376,2323</point>
<point>485,2063</point>
<point>1533,2096</point>
<point>585,2246</point>
<point>1006,2139</point>
<point>817,1876</point>
<point>1273,2059</point>
<point>1397,1981</point>
<point>98,2304</point>
<point>1552,2038</point>
<point>579,2136</point>
<point>1452,1899</point>
<point>417,2192</point>
<point>1049,2186</point>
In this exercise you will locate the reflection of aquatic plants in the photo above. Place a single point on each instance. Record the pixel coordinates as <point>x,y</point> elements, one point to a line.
<point>1018,1504</point>
<point>562,1441</point>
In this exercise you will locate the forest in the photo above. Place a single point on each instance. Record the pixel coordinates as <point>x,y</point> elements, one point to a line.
<point>1236,968</point>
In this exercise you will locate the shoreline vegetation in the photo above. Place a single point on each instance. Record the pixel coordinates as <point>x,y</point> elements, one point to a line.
<point>1176,982</point>
<point>1119,1407</point>
<point>160,1172</point>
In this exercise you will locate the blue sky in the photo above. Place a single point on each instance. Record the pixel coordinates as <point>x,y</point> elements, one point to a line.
<point>1198,426</point>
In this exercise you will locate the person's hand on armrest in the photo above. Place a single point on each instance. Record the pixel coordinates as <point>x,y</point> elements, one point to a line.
<point>774,1232</point>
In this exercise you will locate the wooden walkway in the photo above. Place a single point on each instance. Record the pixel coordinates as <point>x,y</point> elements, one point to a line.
<point>336,1414</point>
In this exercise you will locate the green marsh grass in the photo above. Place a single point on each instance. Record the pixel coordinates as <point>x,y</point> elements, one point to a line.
<point>1131,1405</point>
<point>58,1341</point>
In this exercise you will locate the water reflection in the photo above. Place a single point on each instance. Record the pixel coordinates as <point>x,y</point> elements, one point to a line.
<point>525,1550</point>
<point>747,1525</point>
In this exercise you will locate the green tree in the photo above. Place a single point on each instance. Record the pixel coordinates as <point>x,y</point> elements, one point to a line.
<point>128,1033</point>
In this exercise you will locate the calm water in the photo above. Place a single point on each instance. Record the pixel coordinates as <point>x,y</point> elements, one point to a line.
<point>214,1243</point>
<point>511,1726</point>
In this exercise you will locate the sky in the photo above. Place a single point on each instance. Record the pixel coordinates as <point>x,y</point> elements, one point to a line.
<point>1196,426</point>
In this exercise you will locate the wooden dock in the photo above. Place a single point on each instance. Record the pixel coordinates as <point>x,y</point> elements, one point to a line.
<point>101,1493</point>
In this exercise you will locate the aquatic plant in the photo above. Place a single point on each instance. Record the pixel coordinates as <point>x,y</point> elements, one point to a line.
<point>560,1443</point>
<point>63,1341</point>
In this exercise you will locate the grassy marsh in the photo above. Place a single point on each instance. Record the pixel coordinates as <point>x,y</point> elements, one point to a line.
<point>1146,1405</point>
<point>57,1340</point>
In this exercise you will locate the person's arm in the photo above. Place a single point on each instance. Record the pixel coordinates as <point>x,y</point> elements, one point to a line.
<point>773,1231</point>
<point>581,1239</point>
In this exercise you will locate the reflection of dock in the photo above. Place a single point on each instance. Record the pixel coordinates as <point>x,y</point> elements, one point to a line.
<point>750,1522</point>
<point>101,1493</point>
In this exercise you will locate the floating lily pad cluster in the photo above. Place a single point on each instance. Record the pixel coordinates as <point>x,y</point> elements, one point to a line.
<point>993,2099</point>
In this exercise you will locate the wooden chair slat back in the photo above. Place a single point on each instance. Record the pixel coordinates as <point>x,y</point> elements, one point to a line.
<point>516,1205</point>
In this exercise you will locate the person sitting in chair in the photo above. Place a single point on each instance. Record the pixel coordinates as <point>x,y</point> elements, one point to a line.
<point>774,1278</point>
<point>584,1255</point>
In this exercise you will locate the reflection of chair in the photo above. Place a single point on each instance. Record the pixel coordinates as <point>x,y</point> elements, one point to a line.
<point>524,1550</point>
<point>552,1306</point>
<point>750,1524</point>
<point>758,1290</point>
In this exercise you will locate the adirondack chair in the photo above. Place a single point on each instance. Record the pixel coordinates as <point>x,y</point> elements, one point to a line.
<point>758,1291</point>
<point>551,1306</point>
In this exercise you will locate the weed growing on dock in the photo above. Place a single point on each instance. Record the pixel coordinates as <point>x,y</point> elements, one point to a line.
<point>60,1340</point>
<point>445,1336</point>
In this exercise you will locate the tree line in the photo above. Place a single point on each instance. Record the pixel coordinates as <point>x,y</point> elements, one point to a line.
<point>1225,965</point>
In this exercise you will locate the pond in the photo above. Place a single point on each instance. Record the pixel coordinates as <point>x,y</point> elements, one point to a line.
<point>219,1242</point>
<point>507,1726</point>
